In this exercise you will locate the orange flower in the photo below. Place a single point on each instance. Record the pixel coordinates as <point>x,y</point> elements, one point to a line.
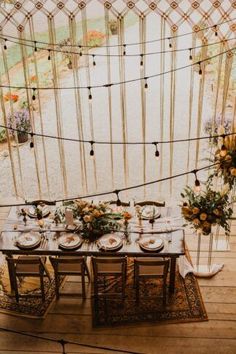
<point>11,97</point>
<point>127,215</point>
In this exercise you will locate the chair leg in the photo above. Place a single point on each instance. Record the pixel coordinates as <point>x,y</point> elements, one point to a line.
<point>16,288</point>
<point>164,293</point>
<point>83,285</point>
<point>57,284</point>
<point>87,271</point>
<point>42,287</point>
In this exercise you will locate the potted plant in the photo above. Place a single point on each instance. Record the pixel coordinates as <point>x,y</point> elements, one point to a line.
<point>113,27</point>
<point>20,120</point>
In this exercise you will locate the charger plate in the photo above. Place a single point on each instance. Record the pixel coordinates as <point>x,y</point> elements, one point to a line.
<point>28,240</point>
<point>151,243</point>
<point>69,241</point>
<point>109,242</point>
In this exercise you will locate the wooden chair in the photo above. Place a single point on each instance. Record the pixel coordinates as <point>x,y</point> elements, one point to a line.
<point>151,269</point>
<point>151,202</point>
<point>27,266</point>
<point>107,267</point>
<point>69,266</point>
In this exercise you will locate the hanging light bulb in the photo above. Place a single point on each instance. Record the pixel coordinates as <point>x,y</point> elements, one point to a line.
<point>190,54</point>
<point>94,62</point>
<point>223,149</point>
<point>200,68</point>
<point>33,95</point>
<point>145,83</point>
<point>216,32</point>
<point>80,53</point>
<point>90,93</point>
<point>124,49</point>
<point>170,44</point>
<point>91,153</point>
<point>35,46</point>
<point>118,201</point>
<point>141,59</point>
<point>5,44</point>
<point>49,54</point>
<point>197,184</point>
<point>157,153</point>
<point>32,140</point>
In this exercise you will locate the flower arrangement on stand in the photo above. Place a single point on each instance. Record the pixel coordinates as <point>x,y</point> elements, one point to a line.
<point>95,220</point>
<point>217,127</point>
<point>206,209</point>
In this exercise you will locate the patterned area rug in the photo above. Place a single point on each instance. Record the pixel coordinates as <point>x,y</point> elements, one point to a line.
<point>30,306</point>
<point>185,305</point>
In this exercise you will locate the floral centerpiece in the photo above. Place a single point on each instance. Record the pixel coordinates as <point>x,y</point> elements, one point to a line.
<point>206,209</point>
<point>20,120</point>
<point>95,220</point>
<point>225,159</point>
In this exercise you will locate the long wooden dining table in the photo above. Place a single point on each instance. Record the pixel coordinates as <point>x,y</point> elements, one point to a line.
<point>130,245</point>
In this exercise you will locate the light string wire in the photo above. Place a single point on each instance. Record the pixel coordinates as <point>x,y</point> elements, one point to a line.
<point>93,55</point>
<point>63,342</point>
<point>145,78</point>
<point>117,191</point>
<point>99,142</point>
<point>127,44</point>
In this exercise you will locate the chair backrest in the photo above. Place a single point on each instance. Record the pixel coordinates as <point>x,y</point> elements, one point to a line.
<point>19,263</point>
<point>151,202</point>
<point>108,265</point>
<point>159,267</point>
<point>70,264</point>
<point>124,204</point>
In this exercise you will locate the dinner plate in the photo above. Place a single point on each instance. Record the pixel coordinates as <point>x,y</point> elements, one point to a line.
<point>151,243</point>
<point>109,242</point>
<point>150,212</point>
<point>31,211</point>
<point>69,240</point>
<point>28,240</point>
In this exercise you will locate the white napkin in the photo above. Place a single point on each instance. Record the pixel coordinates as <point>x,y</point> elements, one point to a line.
<point>185,267</point>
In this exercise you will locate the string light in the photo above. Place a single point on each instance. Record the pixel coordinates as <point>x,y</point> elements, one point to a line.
<point>49,54</point>
<point>157,154</point>
<point>190,54</point>
<point>170,44</point>
<point>200,68</point>
<point>90,93</point>
<point>125,81</point>
<point>5,44</point>
<point>118,201</point>
<point>197,184</point>
<point>33,95</point>
<point>216,33</point>
<point>141,59</point>
<point>35,47</point>
<point>223,150</point>
<point>94,62</point>
<point>32,140</point>
<point>145,83</point>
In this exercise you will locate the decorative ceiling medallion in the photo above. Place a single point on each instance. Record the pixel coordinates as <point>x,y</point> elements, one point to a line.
<point>17,5</point>
<point>206,15</point>
<point>60,5</point>
<point>174,28</point>
<point>216,4</point>
<point>234,4</point>
<point>39,5</point>
<point>153,6</point>
<point>82,5</point>
<point>20,28</point>
<point>229,54</point>
<point>130,4</point>
<point>195,4</point>
<point>174,5</point>
<point>107,5</point>
<point>233,27</point>
<point>196,28</point>
<point>164,15</point>
<point>185,16</point>
<point>225,15</point>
